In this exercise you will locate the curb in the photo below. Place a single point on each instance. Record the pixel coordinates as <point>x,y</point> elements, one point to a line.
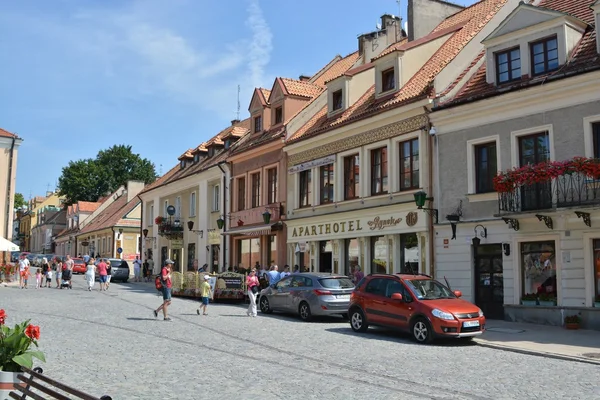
<point>537,353</point>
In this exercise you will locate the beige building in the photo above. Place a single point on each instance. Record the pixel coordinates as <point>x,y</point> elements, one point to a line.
<point>9,146</point>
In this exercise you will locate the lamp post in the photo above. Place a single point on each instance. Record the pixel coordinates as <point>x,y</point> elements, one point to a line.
<point>420,199</point>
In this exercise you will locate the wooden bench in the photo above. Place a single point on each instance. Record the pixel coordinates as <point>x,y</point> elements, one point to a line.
<point>39,387</point>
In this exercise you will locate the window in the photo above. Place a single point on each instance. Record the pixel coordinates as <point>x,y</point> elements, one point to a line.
<point>227,144</point>
<point>271,249</point>
<point>544,56</point>
<point>196,158</point>
<point>337,100</point>
<point>379,173</point>
<point>258,124</point>
<point>272,185</point>
<point>216,200</point>
<point>535,149</point>
<point>193,204</point>
<point>387,80</point>
<point>151,215</point>
<point>377,286</point>
<point>326,184</point>
<point>248,252</point>
<point>508,66</point>
<point>278,115</point>
<point>191,253</point>
<point>351,256</point>
<point>241,197</point>
<point>538,268</point>
<point>409,164</point>
<point>596,139</point>
<point>211,151</point>
<point>255,189</point>
<point>178,206</point>
<point>182,164</point>
<point>305,185</point>
<point>379,255</point>
<point>165,209</point>
<point>596,268</point>
<point>485,167</point>
<point>351,177</point>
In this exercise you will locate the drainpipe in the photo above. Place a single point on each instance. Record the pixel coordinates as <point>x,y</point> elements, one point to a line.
<point>430,146</point>
<point>142,239</point>
<point>224,215</point>
<point>9,187</point>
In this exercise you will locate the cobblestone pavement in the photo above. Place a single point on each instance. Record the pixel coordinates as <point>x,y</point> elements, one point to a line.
<point>110,343</point>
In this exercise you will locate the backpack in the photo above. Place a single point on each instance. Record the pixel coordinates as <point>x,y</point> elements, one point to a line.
<point>158,282</point>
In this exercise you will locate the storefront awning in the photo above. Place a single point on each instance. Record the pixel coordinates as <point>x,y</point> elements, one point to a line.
<point>249,231</point>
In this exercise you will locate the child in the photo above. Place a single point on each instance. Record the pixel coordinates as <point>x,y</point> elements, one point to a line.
<point>26,275</point>
<point>38,278</point>
<point>206,293</point>
<point>49,278</point>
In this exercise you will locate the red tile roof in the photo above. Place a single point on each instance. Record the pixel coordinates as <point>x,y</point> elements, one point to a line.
<point>584,58</point>
<point>472,19</point>
<point>88,206</point>
<point>114,215</point>
<point>300,88</point>
<point>266,93</point>
<point>8,134</point>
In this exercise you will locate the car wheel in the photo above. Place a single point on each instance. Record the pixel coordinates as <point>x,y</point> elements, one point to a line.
<point>422,331</point>
<point>345,315</point>
<point>265,307</point>
<point>358,322</point>
<point>125,280</point>
<point>304,312</point>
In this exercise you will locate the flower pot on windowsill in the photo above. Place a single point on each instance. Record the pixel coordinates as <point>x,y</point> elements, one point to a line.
<point>529,303</point>
<point>547,303</point>
<point>572,325</point>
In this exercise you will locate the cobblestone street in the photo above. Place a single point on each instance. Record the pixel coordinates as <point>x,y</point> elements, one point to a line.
<point>110,343</point>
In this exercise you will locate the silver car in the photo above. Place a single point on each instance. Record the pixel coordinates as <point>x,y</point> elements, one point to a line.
<point>308,294</point>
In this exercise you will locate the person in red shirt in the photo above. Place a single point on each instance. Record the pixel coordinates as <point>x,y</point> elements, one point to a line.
<point>101,270</point>
<point>165,275</point>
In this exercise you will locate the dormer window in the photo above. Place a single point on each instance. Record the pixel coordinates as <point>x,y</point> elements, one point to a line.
<point>227,144</point>
<point>337,100</point>
<point>182,164</point>
<point>258,123</point>
<point>196,158</point>
<point>387,80</point>
<point>544,56</point>
<point>508,65</point>
<point>278,115</point>
<point>211,151</point>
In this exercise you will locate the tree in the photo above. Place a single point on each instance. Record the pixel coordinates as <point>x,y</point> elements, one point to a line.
<point>19,201</point>
<point>90,179</point>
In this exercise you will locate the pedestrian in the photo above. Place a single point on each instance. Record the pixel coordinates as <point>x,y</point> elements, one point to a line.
<point>45,269</point>
<point>358,275</point>
<point>101,270</point>
<point>49,278</point>
<point>26,275</point>
<point>59,266</point>
<point>90,274</point>
<point>151,266</point>
<point>145,274</point>
<point>273,275</point>
<point>252,284</point>
<point>137,267</point>
<point>285,272</point>
<point>38,278</point>
<point>206,293</point>
<point>69,263</point>
<point>165,278</point>
<point>23,264</point>
<point>296,269</point>
<point>108,274</point>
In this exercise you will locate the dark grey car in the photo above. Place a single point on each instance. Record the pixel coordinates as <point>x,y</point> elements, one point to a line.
<point>119,269</point>
<point>308,294</point>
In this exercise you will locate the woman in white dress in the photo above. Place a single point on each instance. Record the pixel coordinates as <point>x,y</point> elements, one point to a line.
<point>90,274</point>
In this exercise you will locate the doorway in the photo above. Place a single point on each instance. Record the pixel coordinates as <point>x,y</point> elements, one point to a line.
<point>176,254</point>
<point>489,280</point>
<point>326,256</point>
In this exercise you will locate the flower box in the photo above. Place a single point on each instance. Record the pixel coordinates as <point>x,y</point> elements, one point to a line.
<point>572,325</point>
<point>529,303</point>
<point>547,303</point>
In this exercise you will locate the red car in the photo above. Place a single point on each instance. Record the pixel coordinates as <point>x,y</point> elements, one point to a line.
<point>417,304</point>
<point>79,266</point>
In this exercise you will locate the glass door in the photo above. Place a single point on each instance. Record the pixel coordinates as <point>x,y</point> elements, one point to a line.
<point>489,280</point>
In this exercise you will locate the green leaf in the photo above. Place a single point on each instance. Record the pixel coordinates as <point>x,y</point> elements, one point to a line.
<point>38,354</point>
<point>24,360</point>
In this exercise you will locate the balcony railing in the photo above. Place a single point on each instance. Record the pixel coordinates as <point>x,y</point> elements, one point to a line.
<point>569,190</point>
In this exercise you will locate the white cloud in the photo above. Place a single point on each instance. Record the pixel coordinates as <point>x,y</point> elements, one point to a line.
<point>261,44</point>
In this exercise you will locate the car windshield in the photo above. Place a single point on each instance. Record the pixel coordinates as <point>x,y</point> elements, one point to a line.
<point>336,283</point>
<point>429,289</point>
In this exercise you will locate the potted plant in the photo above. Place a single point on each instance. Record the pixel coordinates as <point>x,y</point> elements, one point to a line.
<point>16,352</point>
<point>547,300</point>
<point>572,321</point>
<point>529,299</point>
<point>597,301</point>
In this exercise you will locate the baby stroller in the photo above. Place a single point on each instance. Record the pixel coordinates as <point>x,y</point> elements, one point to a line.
<point>66,279</point>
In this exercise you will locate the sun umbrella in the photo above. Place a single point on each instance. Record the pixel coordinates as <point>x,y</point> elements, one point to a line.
<point>7,245</point>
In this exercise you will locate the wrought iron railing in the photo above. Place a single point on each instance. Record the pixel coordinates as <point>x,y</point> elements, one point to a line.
<point>171,228</point>
<point>569,190</point>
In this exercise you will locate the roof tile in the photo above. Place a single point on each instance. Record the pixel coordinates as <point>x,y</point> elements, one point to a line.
<point>4,133</point>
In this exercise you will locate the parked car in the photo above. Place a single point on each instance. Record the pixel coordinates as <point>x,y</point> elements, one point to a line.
<point>308,294</point>
<point>119,269</point>
<point>417,304</point>
<point>79,266</point>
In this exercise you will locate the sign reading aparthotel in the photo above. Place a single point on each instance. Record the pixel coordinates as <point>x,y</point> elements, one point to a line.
<point>380,224</point>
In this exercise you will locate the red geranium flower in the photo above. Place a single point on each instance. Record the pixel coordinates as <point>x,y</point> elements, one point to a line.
<point>32,331</point>
<point>2,317</point>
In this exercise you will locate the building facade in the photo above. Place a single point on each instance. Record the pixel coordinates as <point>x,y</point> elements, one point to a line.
<point>518,147</point>
<point>77,214</point>
<point>50,220</point>
<point>9,149</point>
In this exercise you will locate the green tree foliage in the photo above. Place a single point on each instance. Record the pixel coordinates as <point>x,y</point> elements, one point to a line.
<point>88,180</point>
<point>19,200</point>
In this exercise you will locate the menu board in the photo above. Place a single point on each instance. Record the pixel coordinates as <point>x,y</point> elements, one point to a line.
<point>230,285</point>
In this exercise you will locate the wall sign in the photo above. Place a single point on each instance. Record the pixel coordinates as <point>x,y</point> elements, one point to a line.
<point>311,164</point>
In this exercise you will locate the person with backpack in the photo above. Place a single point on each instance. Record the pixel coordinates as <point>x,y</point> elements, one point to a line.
<point>164,281</point>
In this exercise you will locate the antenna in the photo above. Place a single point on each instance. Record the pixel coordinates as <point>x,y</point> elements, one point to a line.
<point>160,170</point>
<point>399,2</point>
<point>47,187</point>
<point>237,116</point>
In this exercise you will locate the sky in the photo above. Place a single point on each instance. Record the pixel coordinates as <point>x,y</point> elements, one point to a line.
<point>78,76</point>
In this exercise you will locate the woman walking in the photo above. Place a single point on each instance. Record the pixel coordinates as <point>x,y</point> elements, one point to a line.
<point>252,284</point>
<point>90,274</point>
<point>108,273</point>
<point>59,266</point>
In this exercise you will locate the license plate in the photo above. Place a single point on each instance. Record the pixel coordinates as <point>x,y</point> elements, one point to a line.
<point>343,296</point>
<point>470,324</point>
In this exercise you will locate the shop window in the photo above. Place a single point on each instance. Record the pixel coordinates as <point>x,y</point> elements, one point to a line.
<point>351,177</point>
<point>351,256</point>
<point>409,164</point>
<point>379,255</point>
<point>409,253</point>
<point>597,270</point>
<point>326,256</point>
<point>326,183</point>
<point>379,172</point>
<point>538,268</point>
<point>215,251</point>
<point>272,250</point>
<point>191,253</point>
<point>248,252</point>
<point>305,188</point>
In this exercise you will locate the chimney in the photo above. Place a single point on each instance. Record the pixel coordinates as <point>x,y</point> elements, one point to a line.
<point>425,15</point>
<point>388,32</point>
<point>304,78</point>
<point>235,121</point>
<point>133,189</point>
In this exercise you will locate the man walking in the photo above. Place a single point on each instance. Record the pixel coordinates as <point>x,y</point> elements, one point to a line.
<point>23,265</point>
<point>137,266</point>
<point>274,275</point>
<point>165,276</point>
<point>101,268</point>
<point>70,263</point>
<point>206,293</point>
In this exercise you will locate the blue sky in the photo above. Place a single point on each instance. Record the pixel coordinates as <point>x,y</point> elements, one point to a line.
<point>78,76</point>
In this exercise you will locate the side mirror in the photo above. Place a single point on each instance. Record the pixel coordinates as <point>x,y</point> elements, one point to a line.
<point>458,293</point>
<point>396,296</point>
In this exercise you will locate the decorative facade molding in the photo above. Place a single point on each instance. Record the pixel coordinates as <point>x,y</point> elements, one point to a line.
<point>371,136</point>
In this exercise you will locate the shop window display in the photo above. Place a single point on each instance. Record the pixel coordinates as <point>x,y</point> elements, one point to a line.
<point>249,252</point>
<point>351,256</point>
<point>538,268</point>
<point>379,255</point>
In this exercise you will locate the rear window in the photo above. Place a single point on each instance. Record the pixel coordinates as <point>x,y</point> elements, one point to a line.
<point>336,283</point>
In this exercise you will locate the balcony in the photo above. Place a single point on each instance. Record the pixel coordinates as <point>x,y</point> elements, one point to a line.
<point>547,186</point>
<point>169,227</point>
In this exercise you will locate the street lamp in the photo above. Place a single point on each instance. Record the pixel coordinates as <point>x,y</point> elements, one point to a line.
<point>190,225</point>
<point>420,198</point>
<point>266,216</point>
<point>220,223</point>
